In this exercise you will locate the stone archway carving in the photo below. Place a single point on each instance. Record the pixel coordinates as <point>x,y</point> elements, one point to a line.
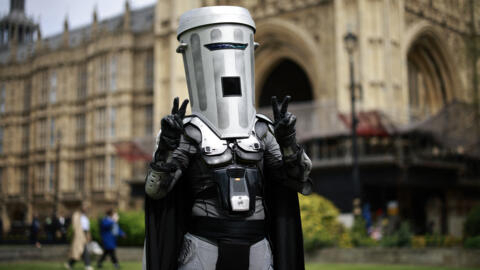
<point>280,40</point>
<point>431,78</point>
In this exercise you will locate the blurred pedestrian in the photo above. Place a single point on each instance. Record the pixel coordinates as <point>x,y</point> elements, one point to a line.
<point>55,227</point>
<point>48,227</point>
<point>81,237</point>
<point>1,229</point>
<point>62,226</point>
<point>34,230</point>
<point>110,231</point>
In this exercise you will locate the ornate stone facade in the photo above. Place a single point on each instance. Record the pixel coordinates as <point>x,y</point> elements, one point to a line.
<point>113,80</point>
<point>67,102</point>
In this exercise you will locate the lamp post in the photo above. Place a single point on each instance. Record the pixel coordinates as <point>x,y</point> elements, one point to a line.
<point>350,40</point>
<point>57,174</point>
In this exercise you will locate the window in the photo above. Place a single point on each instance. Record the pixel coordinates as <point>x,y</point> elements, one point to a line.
<point>25,137</point>
<point>27,95</point>
<point>149,119</point>
<point>53,87</point>
<point>1,140</point>
<point>113,73</point>
<point>82,82</point>
<point>42,132</point>
<point>99,172</point>
<point>51,176</point>
<point>80,129</point>
<point>2,98</point>
<point>79,176</point>
<point>24,180</point>
<point>52,131</point>
<point>40,178</point>
<point>113,119</point>
<point>44,87</point>
<point>112,171</point>
<point>100,123</point>
<point>102,74</point>
<point>149,70</point>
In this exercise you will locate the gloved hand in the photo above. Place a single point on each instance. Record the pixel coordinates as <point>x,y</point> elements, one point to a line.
<point>172,126</point>
<point>283,123</point>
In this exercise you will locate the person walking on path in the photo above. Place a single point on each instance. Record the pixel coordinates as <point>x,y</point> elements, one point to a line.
<point>34,230</point>
<point>81,237</point>
<point>110,231</point>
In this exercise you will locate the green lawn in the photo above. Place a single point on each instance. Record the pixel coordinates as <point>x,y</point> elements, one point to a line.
<point>138,266</point>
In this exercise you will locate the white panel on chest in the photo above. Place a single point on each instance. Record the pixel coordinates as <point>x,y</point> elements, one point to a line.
<point>212,145</point>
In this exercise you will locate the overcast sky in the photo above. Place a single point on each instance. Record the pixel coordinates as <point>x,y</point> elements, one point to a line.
<point>51,13</point>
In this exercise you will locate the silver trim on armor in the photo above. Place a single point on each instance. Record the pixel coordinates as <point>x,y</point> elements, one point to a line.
<point>211,143</point>
<point>250,144</point>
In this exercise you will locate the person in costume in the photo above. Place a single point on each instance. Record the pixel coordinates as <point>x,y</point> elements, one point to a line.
<point>221,192</point>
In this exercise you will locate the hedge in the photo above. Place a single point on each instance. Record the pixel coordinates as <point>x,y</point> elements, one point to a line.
<point>319,222</point>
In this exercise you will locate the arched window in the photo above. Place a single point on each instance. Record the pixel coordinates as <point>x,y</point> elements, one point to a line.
<point>287,78</point>
<point>428,80</point>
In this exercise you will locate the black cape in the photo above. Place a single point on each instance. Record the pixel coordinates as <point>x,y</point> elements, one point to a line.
<point>166,223</point>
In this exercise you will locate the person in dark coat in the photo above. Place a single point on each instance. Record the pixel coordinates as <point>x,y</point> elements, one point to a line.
<point>1,229</point>
<point>110,231</point>
<point>34,230</point>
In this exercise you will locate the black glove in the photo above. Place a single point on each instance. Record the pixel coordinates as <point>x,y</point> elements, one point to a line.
<point>172,126</point>
<point>283,123</point>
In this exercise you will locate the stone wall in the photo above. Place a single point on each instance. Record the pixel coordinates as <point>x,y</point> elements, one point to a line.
<point>453,257</point>
<point>57,253</point>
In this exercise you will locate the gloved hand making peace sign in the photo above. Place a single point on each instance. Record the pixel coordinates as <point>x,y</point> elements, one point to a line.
<point>284,122</point>
<point>172,125</point>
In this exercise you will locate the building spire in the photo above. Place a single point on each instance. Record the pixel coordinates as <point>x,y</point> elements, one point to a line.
<point>65,36</point>
<point>95,21</point>
<point>39,41</point>
<point>65,23</point>
<point>126,16</point>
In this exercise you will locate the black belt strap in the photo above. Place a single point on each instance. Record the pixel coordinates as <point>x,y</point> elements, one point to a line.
<point>225,230</point>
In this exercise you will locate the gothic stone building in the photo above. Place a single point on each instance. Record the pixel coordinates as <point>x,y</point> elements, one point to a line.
<point>77,109</point>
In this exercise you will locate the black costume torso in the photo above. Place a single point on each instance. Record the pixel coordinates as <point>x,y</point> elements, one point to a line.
<point>203,199</point>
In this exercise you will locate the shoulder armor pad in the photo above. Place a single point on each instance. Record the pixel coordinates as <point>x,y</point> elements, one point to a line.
<point>193,133</point>
<point>264,118</point>
<point>209,142</point>
<point>187,119</point>
<point>262,129</point>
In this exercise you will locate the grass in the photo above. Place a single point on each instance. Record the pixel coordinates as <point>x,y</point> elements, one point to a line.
<point>377,267</point>
<point>138,266</point>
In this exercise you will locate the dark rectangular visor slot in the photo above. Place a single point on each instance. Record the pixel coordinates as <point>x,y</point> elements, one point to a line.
<point>231,87</point>
<point>226,46</point>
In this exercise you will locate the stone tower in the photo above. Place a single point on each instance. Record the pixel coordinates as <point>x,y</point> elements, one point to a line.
<point>16,26</point>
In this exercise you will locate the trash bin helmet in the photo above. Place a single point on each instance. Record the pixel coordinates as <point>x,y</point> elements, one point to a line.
<point>217,46</point>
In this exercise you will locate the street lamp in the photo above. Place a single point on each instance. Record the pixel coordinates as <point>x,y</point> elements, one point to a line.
<point>351,41</point>
<point>57,172</point>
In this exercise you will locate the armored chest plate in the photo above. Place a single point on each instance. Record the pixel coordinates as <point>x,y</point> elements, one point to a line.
<point>216,151</point>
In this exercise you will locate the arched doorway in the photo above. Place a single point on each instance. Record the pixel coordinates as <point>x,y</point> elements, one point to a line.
<point>430,82</point>
<point>286,78</point>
